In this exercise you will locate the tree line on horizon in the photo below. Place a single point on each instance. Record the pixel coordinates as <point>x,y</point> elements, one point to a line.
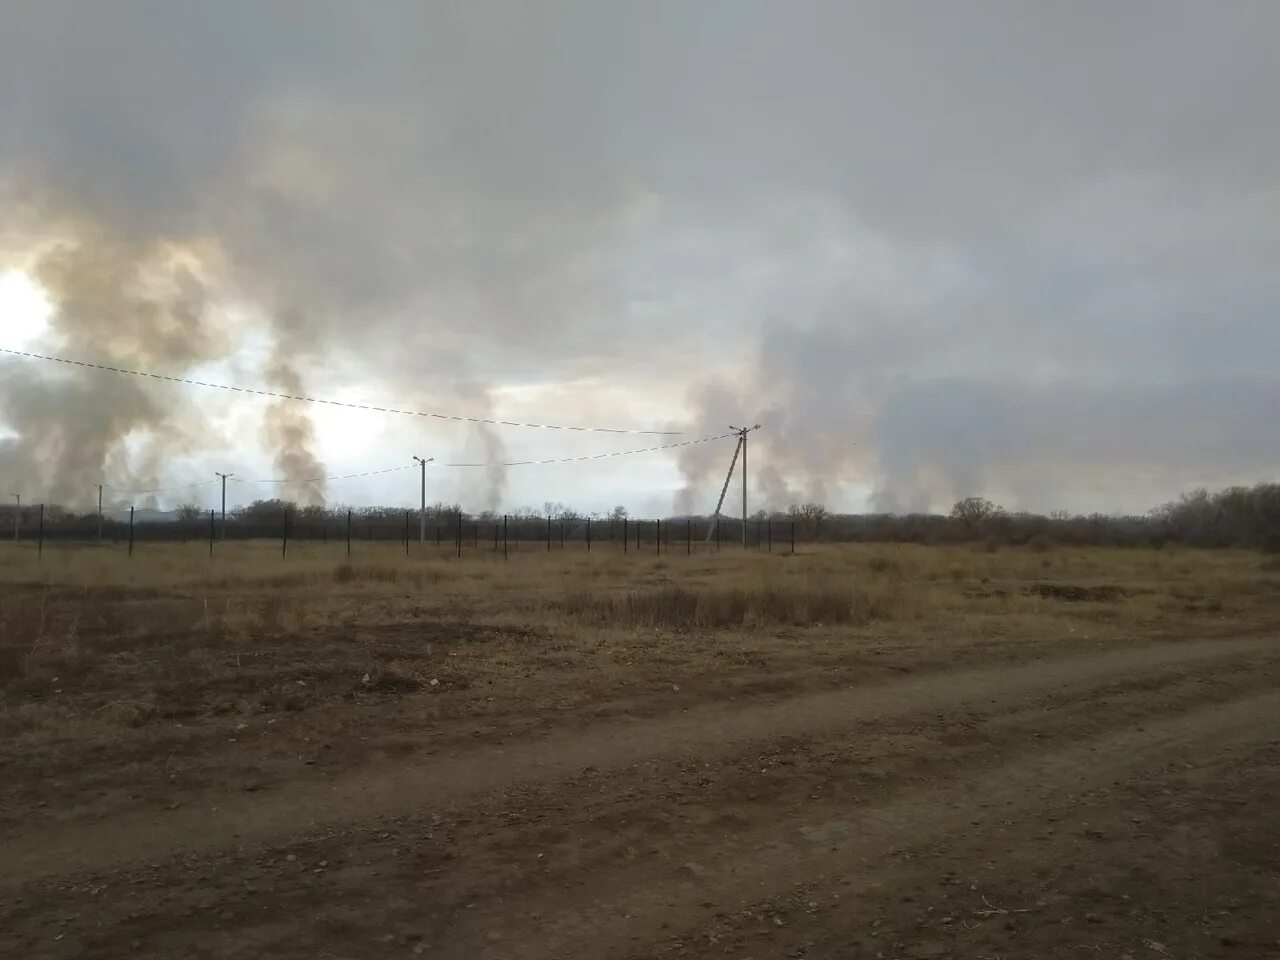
<point>1237,516</point>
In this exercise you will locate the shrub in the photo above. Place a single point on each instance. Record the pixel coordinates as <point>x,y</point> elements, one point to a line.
<point>1040,543</point>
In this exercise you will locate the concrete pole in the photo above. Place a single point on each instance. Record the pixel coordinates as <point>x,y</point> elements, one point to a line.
<point>744,489</point>
<point>742,443</point>
<point>422,507</point>
<point>224,501</point>
<point>713,529</point>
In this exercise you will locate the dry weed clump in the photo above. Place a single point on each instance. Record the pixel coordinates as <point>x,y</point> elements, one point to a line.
<point>885,565</point>
<point>806,602</point>
<point>36,639</point>
<point>394,677</point>
<point>130,713</point>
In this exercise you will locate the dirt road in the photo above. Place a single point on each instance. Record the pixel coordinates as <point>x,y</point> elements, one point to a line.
<point>1115,802</point>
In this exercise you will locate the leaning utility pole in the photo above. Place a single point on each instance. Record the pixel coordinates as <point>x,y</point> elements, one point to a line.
<point>741,447</point>
<point>742,439</point>
<point>713,527</point>
<point>224,501</point>
<point>422,509</point>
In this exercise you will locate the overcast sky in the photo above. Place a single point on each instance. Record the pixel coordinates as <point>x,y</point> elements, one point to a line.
<point>1019,250</point>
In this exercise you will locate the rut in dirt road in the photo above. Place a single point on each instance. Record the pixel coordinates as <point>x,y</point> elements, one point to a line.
<point>617,914</point>
<point>232,821</point>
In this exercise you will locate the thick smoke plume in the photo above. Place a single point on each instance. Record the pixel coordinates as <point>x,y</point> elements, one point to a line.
<point>290,435</point>
<point>484,445</point>
<point>1013,247</point>
<point>127,302</point>
<point>916,442</point>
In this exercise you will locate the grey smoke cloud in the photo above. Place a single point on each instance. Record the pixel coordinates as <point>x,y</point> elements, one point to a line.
<point>951,438</point>
<point>289,432</point>
<point>124,301</point>
<point>846,221</point>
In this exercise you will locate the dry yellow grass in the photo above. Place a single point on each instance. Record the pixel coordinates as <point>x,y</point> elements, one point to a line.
<point>65,609</point>
<point>248,585</point>
<point>108,663</point>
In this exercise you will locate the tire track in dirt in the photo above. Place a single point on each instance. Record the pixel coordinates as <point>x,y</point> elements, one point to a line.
<point>235,820</point>
<point>618,915</point>
<point>418,877</point>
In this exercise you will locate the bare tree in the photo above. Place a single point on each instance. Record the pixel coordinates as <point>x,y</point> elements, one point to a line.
<point>189,513</point>
<point>808,511</point>
<point>974,512</point>
<point>559,511</point>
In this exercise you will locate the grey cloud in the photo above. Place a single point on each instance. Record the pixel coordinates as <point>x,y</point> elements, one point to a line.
<point>947,439</point>
<point>854,203</point>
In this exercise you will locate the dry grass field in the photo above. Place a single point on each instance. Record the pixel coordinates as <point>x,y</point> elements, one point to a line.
<point>855,751</point>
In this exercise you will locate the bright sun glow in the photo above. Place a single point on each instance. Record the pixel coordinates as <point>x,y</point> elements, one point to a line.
<point>25,309</point>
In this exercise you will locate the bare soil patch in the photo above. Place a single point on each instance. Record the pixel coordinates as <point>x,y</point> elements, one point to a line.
<point>851,752</point>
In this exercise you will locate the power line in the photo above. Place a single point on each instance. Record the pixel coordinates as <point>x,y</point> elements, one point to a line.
<point>333,403</point>
<point>499,463</point>
<point>595,456</point>
<point>181,486</point>
<point>348,476</point>
<point>410,466</point>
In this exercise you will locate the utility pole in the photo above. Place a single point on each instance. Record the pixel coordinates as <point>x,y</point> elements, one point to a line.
<point>99,512</point>
<point>422,509</point>
<point>17,517</point>
<point>224,500</point>
<point>742,438</point>
<point>713,529</point>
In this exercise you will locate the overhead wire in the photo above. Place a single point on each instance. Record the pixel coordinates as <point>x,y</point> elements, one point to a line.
<point>494,463</point>
<point>334,403</point>
<point>371,407</point>
<point>347,476</point>
<point>594,456</point>
<point>412,466</point>
<point>181,486</point>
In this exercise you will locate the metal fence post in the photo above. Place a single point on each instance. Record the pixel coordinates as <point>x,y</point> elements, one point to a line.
<point>624,534</point>
<point>793,536</point>
<point>211,532</point>
<point>131,531</point>
<point>588,534</point>
<point>40,541</point>
<point>284,536</point>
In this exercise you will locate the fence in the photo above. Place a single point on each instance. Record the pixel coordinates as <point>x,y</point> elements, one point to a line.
<point>449,529</point>
<point>455,534</point>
